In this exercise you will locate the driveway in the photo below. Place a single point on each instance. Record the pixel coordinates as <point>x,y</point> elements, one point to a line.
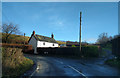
<point>55,66</point>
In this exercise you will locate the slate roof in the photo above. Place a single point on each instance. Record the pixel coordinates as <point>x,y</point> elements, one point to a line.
<point>44,38</point>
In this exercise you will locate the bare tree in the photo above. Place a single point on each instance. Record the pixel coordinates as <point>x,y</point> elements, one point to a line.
<point>102,38</point>
<point>9,29</point>
<point>110,38</point>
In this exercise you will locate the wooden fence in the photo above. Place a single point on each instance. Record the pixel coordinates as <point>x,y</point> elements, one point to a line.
<point>116,46</point>
<point>72,51</point>
<point>59,51</point>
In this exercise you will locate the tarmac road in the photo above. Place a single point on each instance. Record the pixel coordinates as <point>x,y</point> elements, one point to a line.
<point>55,66</point>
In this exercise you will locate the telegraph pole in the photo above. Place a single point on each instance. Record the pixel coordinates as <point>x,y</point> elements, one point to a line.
<point>80,31</point>
<point>24,38</point>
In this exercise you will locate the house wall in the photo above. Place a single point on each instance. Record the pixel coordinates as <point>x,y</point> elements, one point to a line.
<point>47,44</point>
<point>33,42</point>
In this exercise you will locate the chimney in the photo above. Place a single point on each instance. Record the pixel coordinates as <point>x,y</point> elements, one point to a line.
<point>52,36</point>
<point>33,33</point>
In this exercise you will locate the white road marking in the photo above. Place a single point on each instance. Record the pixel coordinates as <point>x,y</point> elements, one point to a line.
<point>62,63</point>
<point>32,74</point>
<point>73,69</point>
<point>59,61</point>
<point>77,71</point>
<point>38,67</point>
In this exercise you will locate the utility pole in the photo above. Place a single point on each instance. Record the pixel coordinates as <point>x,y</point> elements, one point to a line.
<point>24,38</point>
<point>80,31</point>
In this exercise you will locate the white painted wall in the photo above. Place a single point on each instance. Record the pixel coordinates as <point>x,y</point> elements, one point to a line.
<point>47,44</point>
<point>33,42</point>
<point>36,44</point>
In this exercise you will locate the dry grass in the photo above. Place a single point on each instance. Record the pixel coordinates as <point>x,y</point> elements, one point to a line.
<point>14,63</point>
<point>16,39</point>
<point>61,42</point>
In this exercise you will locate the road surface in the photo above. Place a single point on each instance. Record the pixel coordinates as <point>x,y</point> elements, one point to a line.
<point>55,66</point>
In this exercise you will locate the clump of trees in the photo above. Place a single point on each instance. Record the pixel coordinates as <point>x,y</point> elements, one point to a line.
<point>103,38</point>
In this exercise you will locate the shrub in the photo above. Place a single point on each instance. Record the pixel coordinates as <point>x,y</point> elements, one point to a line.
<point>90,51</point>
<point>73,46</point>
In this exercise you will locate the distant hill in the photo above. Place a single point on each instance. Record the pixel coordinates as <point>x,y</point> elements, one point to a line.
<point>61,42</point>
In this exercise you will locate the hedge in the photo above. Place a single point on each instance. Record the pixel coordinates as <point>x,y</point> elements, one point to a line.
<point>90,51</point>
<point>87,51</point>
<point>25,48</point>
<point>116,46</point>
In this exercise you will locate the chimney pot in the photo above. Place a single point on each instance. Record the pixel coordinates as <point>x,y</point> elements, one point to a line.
<point>52,36</point>
<point>33,32</point>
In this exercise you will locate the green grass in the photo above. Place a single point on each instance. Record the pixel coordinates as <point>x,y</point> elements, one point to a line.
<point>113,62</point>
<point>73,46</point>
<point>14,63</point>
<point>103,53</point>
<point>108,46</point>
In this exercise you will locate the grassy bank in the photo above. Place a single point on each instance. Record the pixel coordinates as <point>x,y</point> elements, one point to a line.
<point>14,63</point>
<point>15,39</point>
<point>113,62</point>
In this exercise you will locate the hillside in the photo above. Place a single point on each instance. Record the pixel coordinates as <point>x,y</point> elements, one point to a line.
<point>19,39</point>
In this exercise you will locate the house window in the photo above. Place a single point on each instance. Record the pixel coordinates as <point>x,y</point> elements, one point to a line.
<point>43,43</point>
<point>53,45</point>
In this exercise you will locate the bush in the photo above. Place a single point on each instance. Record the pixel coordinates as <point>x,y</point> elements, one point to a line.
<point>73,46</point>
<point>90,51</point>
<point>13,62</point>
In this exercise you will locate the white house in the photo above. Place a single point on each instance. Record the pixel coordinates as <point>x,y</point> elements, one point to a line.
<point>41,41</point>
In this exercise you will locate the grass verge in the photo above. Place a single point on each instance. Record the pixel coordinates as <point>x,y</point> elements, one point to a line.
<point>113,62</point>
